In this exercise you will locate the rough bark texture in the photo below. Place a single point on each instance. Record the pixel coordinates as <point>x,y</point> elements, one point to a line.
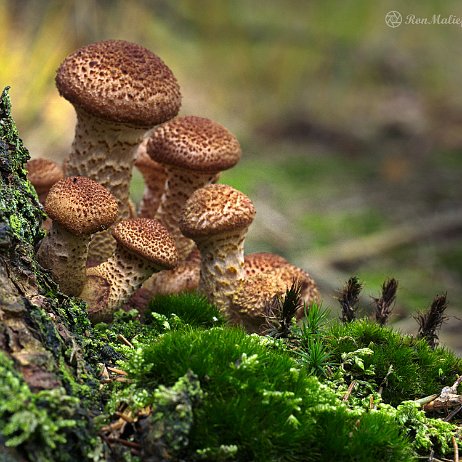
<point>42,332</point>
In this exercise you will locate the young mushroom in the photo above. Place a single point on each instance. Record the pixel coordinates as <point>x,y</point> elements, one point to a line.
<point>144,247</point>
<point>217,217</point>
<point>78,207</point>
<point>119,90</point>
<point>271,264</point>
<point>183,278</point>
<point>193,151</point>
<point>43,174</point>
<point>251,298</point>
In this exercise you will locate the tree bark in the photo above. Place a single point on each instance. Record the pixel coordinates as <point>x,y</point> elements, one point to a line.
<point>42,331</point>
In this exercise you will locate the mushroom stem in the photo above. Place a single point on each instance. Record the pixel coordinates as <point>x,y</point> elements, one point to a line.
<point>154,181</point>
<point>66,254</point>
<point>144,247</point>
<point>100,279</point>
<point>222,266</point>
<point>94,138</point>
<point>180,184</point>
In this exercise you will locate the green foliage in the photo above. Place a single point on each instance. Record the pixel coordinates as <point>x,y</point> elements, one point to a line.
<point>418,370</point>
<point>172,416</point>
<point>257,403</point>
<point>427,433</point>
<point>309,342</point>
<point>47,421</point>
<point>191,308</point>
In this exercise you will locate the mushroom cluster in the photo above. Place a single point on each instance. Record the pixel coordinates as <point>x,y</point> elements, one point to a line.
<point>188,232</point>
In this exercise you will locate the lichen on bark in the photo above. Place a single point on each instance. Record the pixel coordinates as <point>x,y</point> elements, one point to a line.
<point>42,332</point>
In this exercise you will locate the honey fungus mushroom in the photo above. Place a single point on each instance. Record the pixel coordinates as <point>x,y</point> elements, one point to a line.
<point>217,217</point>
<point>119,90</point>
<point>275,265</point>
<point>144,247</point>
<point>193,150</point>
<point>78,207</point>
<point>43,174</point>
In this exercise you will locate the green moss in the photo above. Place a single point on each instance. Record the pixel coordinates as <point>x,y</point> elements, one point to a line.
<point>54,424</point>
<point>257,403</point>
<point>48,424</point>
<point>191,308</point>
<point>417,370</point>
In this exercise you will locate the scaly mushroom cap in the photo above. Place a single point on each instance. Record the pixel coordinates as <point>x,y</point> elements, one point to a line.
<point>251,299</point>
<point>148,239</point>
<point>194,143</point>
<point>80,205</point>
<point>279,267</point>
<point>43,173</point>
<point>120,81</point>
<point>263,262</point>
<point>214,209</point>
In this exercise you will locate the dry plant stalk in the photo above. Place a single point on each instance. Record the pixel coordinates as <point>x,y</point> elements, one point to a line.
<point>384,304</point>
<point>349,299</point>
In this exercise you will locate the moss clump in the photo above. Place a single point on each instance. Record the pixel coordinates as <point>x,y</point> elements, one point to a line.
<point>416,369</point>
<point>44,421</point>
<point>257,403</point>
<point>191,308</point>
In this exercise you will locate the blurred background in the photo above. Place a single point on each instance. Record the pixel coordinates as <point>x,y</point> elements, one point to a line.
<point>351,130</point>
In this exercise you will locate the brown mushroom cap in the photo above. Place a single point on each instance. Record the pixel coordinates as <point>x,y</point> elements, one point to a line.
<point>194,143</point>
<point>121,82</point>
<point>263,262</point>
<point>149,239</point>
<point>214,209</point>
<point>43,173</point>
<point>81,205</point>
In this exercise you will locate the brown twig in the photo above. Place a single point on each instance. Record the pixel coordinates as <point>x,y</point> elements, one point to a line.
<point>129,444</point>
<point>453,413</point>
<point>117,371</point>
<point>456,449</point>
<point>346,396</point>
<point>124,340</point>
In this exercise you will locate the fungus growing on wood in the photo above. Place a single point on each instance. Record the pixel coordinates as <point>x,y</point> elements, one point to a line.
<point>119,90</point>
<point>217,217</point>
<point>193,151</point>
<point>144,247</point>
<point>79,207</point>
<point>43,174</point>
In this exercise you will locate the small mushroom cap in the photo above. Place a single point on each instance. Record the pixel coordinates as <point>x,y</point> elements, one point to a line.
<point>194,143</point>
<point>279,267</point>
<point>81,205</point>
<point>263,262</point>
<point>121,82</point>
<point>43,173</point>
<point>148,239</point>
<point>214,209</point>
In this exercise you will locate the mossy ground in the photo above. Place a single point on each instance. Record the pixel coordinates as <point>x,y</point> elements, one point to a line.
<point>197,389</point>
